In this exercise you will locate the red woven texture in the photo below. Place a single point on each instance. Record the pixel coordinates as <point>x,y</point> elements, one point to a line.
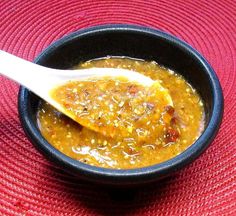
<point>31,185</point>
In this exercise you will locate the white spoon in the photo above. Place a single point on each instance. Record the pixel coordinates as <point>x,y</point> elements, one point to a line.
<point>41,80</point>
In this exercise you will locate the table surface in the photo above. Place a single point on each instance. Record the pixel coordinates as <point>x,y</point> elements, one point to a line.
<point>31,185</point>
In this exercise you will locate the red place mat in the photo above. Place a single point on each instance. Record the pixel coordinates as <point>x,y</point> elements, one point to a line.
<point>30,185</point>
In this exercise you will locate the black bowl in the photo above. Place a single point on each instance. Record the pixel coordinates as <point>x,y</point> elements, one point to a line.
<point>138,42</point>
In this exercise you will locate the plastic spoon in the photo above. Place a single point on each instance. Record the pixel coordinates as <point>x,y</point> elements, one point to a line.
<point>41,80</point>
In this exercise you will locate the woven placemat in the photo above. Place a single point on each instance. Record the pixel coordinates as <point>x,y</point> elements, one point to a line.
<point>30,185</point>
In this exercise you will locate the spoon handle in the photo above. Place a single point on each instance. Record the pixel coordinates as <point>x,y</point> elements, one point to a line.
<point>34,77</point>
<point>20,70</point>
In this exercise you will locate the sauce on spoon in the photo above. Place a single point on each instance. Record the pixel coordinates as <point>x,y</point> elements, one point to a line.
<point>116,107</point>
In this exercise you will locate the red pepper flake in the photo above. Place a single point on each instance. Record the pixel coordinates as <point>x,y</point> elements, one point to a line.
<point>170,110</point>
<point>66,105</point>
<point>171,135</point>
<point>132,89</point>
<point>132,151</point>
<point>174,120</point>
<point>68,96</point>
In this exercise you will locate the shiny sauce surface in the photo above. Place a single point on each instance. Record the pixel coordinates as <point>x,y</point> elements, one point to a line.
<point>126,125</point>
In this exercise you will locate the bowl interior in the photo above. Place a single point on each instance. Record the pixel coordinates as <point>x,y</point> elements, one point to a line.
<point>137,44</point>
<point>133,42</point>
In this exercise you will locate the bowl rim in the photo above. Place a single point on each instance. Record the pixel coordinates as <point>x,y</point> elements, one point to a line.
<point>137,175</point>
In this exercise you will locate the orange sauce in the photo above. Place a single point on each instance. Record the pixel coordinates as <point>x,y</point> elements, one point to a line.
<point>128,125</point>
